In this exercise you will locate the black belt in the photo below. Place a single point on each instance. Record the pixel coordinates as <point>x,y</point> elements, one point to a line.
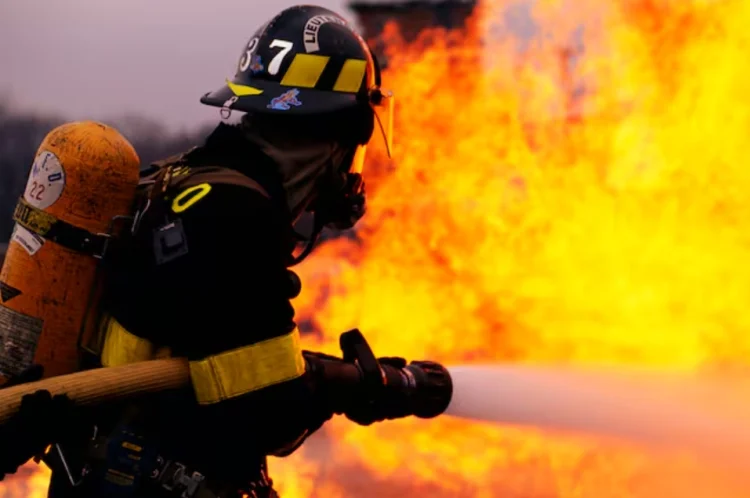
<point>173,479</point>
<point>51,228</point>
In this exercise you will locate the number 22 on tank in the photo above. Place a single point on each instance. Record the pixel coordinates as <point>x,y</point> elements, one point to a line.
<point>46,181</point>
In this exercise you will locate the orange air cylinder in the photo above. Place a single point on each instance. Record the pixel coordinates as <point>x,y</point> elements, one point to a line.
<point>84,175</point>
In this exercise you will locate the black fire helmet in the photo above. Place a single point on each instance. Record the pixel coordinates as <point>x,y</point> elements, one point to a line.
<point>305,61</point>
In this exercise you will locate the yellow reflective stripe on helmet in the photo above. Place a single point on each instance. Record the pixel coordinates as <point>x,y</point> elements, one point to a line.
<point>243,90</point>
<point>350,77</point>
<point>201,191</point>
<point>305,70</point>
<point>121,347</point>
<point>250,368</point>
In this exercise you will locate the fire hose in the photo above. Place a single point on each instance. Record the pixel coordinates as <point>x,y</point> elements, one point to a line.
<point>423,388</point>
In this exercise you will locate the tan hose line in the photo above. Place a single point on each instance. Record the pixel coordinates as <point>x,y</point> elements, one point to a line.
<point>102,385</point>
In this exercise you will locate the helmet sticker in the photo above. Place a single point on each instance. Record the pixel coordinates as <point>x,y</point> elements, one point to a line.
<point>313,27</point>
<point>256,66</point>
<point>248,55</point>
<point>286,99</point>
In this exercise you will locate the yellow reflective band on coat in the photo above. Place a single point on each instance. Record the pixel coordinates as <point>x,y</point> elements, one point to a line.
<point>240,371</point>
<point>305,70</point>
<point>121,347</point>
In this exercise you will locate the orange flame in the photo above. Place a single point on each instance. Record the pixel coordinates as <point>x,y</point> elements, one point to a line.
<point>544,211</point>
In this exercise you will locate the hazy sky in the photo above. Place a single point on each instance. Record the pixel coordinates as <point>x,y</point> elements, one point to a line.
<point>99,58</point>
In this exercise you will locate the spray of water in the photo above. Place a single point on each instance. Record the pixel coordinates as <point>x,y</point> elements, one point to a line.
<point>706,416</point>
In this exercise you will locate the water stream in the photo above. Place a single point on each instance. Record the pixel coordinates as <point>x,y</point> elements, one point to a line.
<point>708,416</point>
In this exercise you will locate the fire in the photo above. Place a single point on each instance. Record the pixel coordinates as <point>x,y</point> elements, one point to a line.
<point>540,211</point>
<point>29,482</point>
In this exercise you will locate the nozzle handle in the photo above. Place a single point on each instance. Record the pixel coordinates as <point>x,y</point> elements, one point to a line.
<point>357,351</point>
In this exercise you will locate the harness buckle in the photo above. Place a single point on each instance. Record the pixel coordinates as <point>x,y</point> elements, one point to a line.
<point>175,478</point>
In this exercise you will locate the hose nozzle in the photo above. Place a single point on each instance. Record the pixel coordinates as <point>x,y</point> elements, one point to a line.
<point>432,388</point>
<point>368,389</point>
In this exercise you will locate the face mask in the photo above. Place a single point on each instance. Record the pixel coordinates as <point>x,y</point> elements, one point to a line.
<point>306,166</point>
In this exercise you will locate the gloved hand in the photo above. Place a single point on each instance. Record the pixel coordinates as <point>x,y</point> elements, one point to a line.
<point>39,422</point>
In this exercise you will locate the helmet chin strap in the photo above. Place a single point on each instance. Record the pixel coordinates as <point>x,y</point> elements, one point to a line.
<point>310,242</point>
<point>342,214</point>
<point>321,220</point>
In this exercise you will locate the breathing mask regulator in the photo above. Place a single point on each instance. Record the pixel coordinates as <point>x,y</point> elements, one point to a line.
<point>341,199</point>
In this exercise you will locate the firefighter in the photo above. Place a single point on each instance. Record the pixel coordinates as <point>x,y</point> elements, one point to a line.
<point>205,274</point>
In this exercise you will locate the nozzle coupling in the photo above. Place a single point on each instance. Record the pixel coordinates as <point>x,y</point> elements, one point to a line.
<point>432,388</point>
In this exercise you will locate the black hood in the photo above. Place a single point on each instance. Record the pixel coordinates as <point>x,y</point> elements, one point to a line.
<point>228,147</point>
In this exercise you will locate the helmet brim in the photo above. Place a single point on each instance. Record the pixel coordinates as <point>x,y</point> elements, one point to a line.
<point>271,97</point>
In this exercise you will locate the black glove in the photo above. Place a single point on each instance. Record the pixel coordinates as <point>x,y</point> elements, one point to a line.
<point>40,421</point>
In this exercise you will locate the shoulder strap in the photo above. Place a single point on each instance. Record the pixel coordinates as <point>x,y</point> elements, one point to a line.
<point>153,178</point>
<point>176,172</point>
<point>174,160</point>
